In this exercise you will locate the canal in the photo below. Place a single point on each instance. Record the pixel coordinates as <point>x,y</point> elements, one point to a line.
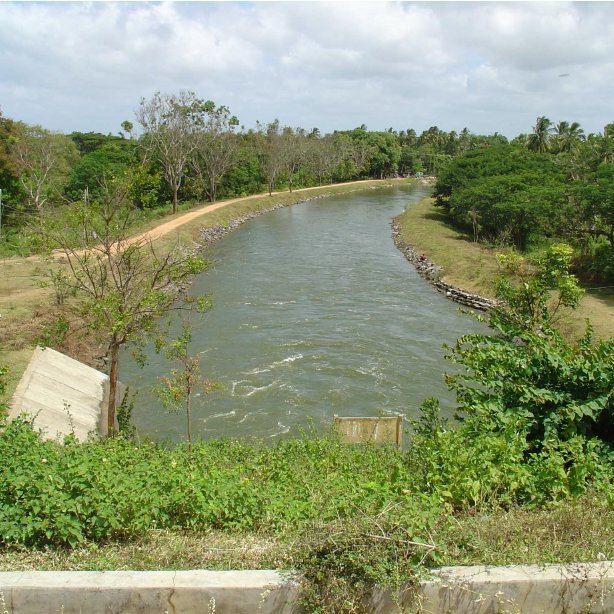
<point>315,313</point>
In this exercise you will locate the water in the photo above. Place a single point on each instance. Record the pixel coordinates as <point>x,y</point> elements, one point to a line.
<point>316,313</point>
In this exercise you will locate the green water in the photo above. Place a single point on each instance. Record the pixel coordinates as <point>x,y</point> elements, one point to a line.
<point>316,313</point>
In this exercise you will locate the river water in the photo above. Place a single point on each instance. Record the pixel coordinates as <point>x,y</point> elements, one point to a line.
<point>316,313</point>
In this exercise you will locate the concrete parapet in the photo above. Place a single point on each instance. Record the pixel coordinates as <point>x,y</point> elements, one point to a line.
<point>146,592</point>
<point>530,589</point>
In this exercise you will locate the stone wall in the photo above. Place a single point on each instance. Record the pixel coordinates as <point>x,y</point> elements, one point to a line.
<point>432,273</point>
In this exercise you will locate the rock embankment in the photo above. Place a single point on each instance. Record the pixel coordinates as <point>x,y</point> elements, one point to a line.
<point>432,273</point>
<point>215,233</point>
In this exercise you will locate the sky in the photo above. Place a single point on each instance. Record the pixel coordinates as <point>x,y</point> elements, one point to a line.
<point>488,66</point>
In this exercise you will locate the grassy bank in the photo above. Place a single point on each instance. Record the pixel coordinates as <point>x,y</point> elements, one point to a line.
<point>346,516</point>
<point>473,267</point>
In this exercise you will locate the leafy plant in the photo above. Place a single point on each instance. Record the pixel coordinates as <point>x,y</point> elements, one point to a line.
<point>525,373</point>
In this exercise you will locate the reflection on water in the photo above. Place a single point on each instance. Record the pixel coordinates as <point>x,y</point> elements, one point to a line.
<point>316,313</point>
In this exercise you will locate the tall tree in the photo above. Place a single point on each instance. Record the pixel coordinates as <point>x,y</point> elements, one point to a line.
<point>272,154</point>
<point>216,146</point>
<point>568,136</point>
<point>293,145</point>
<point>170,122</point>
<point>43,161</point>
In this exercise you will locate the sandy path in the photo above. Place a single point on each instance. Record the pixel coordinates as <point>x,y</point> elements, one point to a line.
<point>165,227</point>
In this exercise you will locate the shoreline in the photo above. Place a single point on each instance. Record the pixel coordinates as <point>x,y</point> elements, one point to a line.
<point>432,274</point>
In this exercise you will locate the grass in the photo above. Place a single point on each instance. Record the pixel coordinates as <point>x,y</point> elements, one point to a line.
<point>473,267</point>
<point>574,531</point>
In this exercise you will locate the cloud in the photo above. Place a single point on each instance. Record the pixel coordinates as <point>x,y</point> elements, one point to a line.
<point>488,66</point>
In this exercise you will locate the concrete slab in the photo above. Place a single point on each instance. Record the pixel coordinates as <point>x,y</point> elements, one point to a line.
<point>534,589</point>
<point>62,396</point>
<point>530,589</point>
<point>132,592</point>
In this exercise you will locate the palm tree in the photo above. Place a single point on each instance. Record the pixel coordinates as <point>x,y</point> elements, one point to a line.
<point>568,135</point>
<point>539,140</point>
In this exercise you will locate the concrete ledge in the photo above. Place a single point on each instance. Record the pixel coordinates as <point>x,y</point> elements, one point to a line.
<point>132,592</point>
<point>533,589</point>
<point>455,590</point>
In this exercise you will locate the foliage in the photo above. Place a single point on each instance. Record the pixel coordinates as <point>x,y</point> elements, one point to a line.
<point>176,389</point>
<point>525,375</point>
<point>42,160</point>
<point>55,333</point>
<point>554,184</point>
<point>504,190</point>
<point>123,285</point>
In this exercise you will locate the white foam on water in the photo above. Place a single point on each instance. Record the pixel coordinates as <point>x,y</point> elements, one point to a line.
<point>220,415</point>
<point>242,388</point>
<point>245,417</point>
<point>288,360</point>
<point>277,363</point>
<point>284,429</point>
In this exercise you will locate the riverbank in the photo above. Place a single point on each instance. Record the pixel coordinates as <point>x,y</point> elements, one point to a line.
<point>27,306</point>
<point>456,263</point>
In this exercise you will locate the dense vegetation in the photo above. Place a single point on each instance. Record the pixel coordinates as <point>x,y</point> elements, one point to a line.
<point>192,150</point>
<point>552,185</point>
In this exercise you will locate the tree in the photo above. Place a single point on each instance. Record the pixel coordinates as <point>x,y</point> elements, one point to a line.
<point>272,154</point>
<point>293,145</point>
<point>176,390</point>
<point>123,284</point>
<point>170,123</point>
<point>9,178</point>
<point>323,155</point>
<point>568,136</point>
<point>539,140</point>
<point>216,146</point>
<point>43,161</point>
<point>524,374</point>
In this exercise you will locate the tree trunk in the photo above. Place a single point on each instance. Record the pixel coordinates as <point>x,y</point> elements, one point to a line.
<point>212,190</point>
<point>188,411</point>
<point>175,190</point>
<point>114,351</point>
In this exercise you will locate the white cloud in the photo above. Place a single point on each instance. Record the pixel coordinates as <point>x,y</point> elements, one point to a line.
<point>488,66</point>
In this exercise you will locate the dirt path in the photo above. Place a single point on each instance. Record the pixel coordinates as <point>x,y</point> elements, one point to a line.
<point>165,227</point>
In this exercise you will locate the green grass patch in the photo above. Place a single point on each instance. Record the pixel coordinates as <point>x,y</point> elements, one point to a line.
<point>473,267</point>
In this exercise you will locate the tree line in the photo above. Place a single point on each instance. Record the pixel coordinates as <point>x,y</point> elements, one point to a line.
<point>553,184</point>
<point>183,148</point>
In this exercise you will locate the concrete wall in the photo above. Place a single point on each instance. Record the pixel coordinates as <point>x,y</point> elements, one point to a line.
<point>62,396</point>
<point>530,589</point>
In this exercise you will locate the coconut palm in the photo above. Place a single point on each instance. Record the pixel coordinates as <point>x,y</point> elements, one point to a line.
<point>539,140</point>
<point>568,135</point>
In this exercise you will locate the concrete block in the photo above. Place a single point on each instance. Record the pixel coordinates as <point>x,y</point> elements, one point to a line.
<point>524,589</point>
<point>62,396</point>
<point>151,592</point>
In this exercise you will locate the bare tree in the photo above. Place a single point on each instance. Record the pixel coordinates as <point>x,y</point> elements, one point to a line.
<point>216,146</point>
<point>272,154</point>
<point>323,156</point>
<point>170,123</point>
<point>293,145</point>
<point>42,160</point>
